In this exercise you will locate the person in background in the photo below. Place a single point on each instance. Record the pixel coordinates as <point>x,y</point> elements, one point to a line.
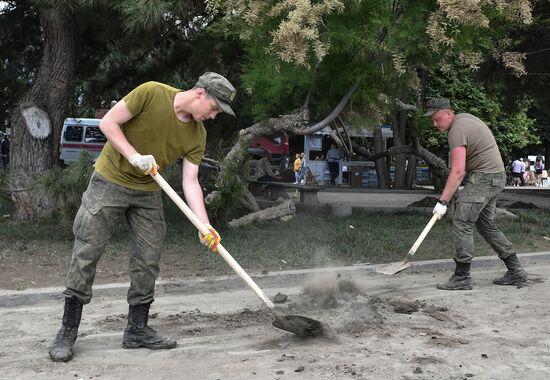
<point>523,169</point>
<point>333,157</point>
<point>474,155</point>
<point>264,171</point>
<point>517,169</point>
<point>297,167</point>
<point>149,129</point>
<point>4,149</point>
<point>284,164</point>
<point>302,168</point>
<point>539,167</point>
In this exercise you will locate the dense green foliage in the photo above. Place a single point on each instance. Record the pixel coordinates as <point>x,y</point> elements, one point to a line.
<point>512,127</point>
<point>379,44</point>
<point>20,52</point>
<point>383,46</point>
<point>363,41</point>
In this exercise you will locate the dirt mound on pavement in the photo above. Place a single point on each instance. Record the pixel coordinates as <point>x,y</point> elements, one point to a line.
<point>522,205</point>
<point>344,306</point>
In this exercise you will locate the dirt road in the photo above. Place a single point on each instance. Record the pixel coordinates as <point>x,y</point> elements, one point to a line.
<point>396,327</point>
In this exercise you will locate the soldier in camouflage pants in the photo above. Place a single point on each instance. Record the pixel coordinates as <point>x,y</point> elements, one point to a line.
<point>476,204</point>
<point>475,156</point>
<point>148,130</point>
<point>103,204</point>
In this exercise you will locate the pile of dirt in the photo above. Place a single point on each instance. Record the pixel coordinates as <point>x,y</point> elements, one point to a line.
<point>344,307</point>
<point>340,304</point>
<point>522,205</point>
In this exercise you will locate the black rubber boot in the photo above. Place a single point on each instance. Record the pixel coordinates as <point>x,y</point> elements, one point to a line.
<point>460,280</point>
<point>62,347</point>
<point>138,334</point>
<point>515,274</point>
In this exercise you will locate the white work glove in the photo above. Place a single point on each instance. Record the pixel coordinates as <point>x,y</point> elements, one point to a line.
<point>440,209</point>
<point>145,163</point>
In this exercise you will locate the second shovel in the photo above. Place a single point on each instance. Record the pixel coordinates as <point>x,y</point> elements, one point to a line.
<point>398,267</point>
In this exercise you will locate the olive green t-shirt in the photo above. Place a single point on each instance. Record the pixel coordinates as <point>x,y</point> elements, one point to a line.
<point>482,154</point>
<point>154,130</point>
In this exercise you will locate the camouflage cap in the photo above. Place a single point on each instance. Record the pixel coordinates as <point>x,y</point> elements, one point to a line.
<point>436,104</point>
<point>220,88</point>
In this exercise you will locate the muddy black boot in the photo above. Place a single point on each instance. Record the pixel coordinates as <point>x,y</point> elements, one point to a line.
<point>460,280</point>
<point>62,347</point>
<point>515,274</point>
<point>138,334</point>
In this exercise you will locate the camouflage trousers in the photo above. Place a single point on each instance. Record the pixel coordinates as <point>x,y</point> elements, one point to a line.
<point>104,204</point>
<point>476,204</point>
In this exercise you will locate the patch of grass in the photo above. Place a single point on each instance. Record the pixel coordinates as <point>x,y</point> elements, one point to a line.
<point>303,242</point>
<point>373,238</point>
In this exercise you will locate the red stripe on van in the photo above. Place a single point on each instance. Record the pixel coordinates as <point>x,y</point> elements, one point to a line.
<point>83,146</point>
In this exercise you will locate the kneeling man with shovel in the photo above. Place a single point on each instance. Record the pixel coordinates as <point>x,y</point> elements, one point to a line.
<point>475,154</point>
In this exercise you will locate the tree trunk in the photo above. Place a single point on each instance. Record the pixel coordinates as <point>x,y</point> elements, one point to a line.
<point>412,160</point>
<point>381,167</point>
<point>399,124</point>
<point>38,118</point>
<point>410,175</point>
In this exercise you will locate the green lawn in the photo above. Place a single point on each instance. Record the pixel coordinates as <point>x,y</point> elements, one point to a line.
<point>303,242</point>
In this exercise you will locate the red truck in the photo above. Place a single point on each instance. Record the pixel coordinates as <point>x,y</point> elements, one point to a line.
<point>278,146</point>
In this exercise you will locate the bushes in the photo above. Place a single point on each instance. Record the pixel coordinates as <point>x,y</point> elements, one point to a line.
<point>63,187</point>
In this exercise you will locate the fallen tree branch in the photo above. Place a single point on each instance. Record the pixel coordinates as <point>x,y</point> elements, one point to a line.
<point>249,202</point>
<point>285,208</point>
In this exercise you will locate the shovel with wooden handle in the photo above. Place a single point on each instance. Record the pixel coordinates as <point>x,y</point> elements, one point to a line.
<point>398,267</point>
<point>301,326</point>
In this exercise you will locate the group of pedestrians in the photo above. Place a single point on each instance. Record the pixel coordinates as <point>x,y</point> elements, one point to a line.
<point>522,174</point>
<point>333,158</point>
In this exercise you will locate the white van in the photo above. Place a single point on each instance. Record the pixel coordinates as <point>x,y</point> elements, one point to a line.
<point>80,135</point>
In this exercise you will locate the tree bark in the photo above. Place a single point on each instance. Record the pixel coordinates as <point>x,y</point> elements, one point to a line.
<point>412,160</point>
<point>399,127</point>
<point>284,208</point>
<point>410,175</point>
<point>381,167</point>
<point>38,118</point>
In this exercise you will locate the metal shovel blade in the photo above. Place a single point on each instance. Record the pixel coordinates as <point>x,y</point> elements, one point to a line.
<point>301,326</point>
<point>393,268</point>
<point>398,267</point>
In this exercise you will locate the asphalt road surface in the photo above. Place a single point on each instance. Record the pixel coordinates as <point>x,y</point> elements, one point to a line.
<point>377,327</point>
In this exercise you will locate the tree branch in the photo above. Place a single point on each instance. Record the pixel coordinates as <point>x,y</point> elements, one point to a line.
<point>332,116</point>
